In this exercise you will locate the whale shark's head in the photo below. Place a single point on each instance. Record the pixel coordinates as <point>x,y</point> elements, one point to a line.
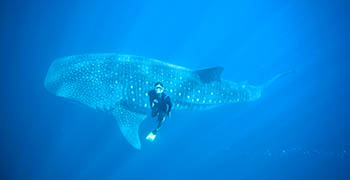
<point>88,79</point>
<point>63,76</point>
<point>54,80</point>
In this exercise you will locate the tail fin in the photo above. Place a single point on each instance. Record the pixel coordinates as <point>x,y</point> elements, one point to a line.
<point>275,78</point>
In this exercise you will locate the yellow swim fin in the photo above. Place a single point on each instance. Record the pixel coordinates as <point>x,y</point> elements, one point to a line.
<point>151,137</point>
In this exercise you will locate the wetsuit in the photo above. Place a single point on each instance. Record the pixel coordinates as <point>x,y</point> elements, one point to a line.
<point>161,106</point>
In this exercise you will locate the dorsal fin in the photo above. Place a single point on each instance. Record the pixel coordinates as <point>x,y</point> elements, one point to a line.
<point>210,74</point>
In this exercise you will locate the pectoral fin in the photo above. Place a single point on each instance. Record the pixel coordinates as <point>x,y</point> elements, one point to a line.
<point>129,123</point>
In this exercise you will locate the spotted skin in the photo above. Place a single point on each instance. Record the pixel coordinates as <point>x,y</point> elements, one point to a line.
<point>119,84</point>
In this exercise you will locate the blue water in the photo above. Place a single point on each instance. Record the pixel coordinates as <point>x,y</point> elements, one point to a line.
<point>299,129</point>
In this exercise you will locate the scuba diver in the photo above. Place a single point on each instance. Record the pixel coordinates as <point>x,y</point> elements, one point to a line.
<point>160,104</point>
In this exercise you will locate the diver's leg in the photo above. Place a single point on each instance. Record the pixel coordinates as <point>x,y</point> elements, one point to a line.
<point>161,119</point>
<point>151,136</point>
<point>154,112</point>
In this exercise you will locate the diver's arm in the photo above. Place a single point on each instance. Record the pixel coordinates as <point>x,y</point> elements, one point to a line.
<point>168,101</point>
<point>151,103</point>
<point>151,98</point>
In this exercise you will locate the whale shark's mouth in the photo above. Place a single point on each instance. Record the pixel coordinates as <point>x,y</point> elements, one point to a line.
<point>51,82</point>
<point>59,74</point>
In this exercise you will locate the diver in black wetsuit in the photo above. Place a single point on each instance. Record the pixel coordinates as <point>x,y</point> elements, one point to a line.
<point>161,105</point>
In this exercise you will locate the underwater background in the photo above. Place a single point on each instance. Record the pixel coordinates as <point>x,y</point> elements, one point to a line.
<point>299,129</point>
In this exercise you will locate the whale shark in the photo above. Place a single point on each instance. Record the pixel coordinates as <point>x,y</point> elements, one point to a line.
<point>119,84</point>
